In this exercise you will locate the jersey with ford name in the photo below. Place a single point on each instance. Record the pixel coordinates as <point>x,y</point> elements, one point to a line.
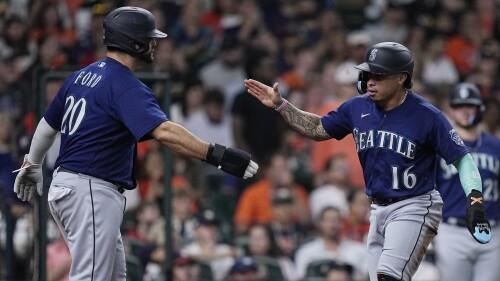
<point>396,148</point>
<point>486,153</point>
<point>102,112</point>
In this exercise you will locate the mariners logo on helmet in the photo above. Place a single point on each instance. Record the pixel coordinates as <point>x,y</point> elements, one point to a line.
<point>464,93</point>
<point>373,55</point>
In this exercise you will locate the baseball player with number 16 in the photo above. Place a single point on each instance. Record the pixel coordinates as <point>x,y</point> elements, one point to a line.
<point>102,111</point>
<point>397,135</point>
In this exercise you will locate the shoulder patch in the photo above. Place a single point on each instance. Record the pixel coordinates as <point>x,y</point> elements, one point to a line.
<point>456,138</point>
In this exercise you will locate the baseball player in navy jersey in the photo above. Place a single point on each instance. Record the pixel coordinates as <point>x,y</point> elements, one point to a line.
<point>102,111</point>
<point>459,258</point>
<point>397,135</point>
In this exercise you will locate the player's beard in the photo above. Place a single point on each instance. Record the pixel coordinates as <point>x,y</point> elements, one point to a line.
<point>147,56</point>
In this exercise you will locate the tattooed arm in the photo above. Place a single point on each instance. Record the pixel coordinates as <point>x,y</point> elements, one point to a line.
<point>306,123</point>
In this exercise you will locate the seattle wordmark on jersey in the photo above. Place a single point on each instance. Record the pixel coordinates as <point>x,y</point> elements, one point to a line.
<point>396,148</point>
<point>384,139</point>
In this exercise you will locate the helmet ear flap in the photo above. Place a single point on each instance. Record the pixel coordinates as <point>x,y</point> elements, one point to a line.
<point>479,115</point>
<point>361,85</point>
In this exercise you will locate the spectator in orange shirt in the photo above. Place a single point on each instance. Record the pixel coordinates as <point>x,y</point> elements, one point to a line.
<point>355,223</point>
<point>345,79</point>
<point>255,205</point>
<point>462,49</point>
<point>53,20</point>
<point>305,61</point>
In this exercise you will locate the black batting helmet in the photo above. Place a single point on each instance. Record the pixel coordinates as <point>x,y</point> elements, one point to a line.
<point>386,58</point>
<point>130,29</point>
<point>467,93</point>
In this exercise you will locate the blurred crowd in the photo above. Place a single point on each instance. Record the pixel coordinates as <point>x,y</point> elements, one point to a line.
<point>305,215</point>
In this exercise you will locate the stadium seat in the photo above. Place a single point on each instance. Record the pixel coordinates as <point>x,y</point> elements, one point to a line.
<point>205,271</point>
<point>317,269</point>
<point>272,267</point>
<point>134,268</point>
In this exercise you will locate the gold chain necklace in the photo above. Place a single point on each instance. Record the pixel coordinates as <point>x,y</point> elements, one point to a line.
<point>404,98</point>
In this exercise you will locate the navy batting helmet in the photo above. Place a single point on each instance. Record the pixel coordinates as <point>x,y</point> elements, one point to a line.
<point>130,29</point>
<point>386,58</point>
<point>467,93</point>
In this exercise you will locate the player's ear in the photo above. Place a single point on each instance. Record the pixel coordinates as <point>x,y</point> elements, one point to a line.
<point>402,78</point>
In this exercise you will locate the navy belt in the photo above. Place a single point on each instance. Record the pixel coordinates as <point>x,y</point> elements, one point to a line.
<point>461,221</point>
<point>386,201</point>
<point>62,169</point>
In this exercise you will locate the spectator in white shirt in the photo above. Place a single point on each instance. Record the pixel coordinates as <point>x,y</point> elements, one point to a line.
<point>207,248</point>
<point>437,68</point>
<point>333,188</point>
<point>329,245</point>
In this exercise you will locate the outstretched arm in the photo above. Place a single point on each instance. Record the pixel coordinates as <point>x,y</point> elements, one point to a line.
<point>306,123</point>
<point>230,160</point>
<point>180,140</point>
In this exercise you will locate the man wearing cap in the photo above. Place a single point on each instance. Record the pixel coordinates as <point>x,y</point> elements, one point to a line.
<point>287,232</point>
<point>207,248</point>
<point>255,204</point>
<point>184,268</point>
<point>330,245</point>
<point>245,269</point>
<point>337,271</point>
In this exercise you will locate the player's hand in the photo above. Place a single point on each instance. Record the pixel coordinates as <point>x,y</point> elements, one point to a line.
<point>29,179</point>
<point>232,161</point>
<point>251,170</point>
<point>269,96</point>
<point>476,219</point>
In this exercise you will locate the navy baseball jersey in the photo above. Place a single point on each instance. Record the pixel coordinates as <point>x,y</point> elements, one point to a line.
<point>396,148</point>
<point>486,153</point>
<point>102,112</point>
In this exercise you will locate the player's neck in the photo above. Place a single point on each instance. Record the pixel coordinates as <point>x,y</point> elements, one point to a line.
<point>396,101</point>
<point>331,243</point>
<point>468,133</point>
<point>127,60</point>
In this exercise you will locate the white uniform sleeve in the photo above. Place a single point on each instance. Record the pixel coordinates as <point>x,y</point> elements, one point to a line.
<point>42,140</point>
